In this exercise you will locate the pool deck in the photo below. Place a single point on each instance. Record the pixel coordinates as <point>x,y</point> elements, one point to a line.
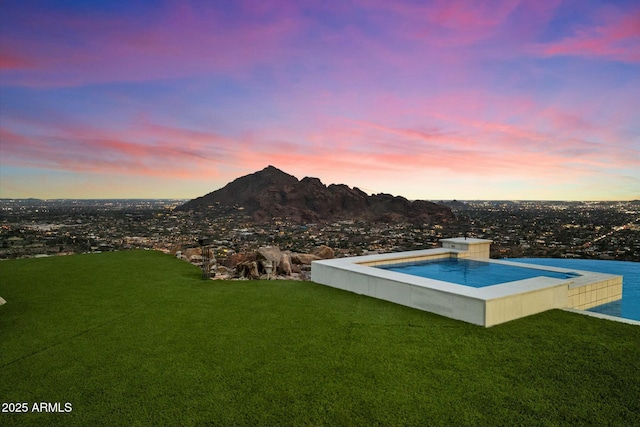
<point>486,306</point>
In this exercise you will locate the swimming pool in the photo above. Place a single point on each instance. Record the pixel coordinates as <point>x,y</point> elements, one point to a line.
<point>477,274</point>
<point>487,305</point>
<point>629,306</point>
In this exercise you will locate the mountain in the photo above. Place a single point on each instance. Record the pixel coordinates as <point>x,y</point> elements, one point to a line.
<point>273,193</point>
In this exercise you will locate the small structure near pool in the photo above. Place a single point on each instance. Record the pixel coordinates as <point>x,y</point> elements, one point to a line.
<point>486,306</point>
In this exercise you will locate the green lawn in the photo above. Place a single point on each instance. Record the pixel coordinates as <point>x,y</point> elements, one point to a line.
<point>137,338</point>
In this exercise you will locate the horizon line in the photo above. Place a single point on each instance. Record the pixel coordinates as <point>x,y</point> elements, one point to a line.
<point>429,200</point>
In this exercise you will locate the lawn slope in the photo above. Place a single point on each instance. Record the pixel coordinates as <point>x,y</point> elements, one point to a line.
<point>137,338</point>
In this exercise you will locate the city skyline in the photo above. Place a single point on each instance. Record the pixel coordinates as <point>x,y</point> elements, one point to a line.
<point>515,100</point>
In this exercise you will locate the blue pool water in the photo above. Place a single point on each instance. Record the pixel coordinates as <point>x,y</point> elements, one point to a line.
<point>629,306</point>
<point>472,273</point>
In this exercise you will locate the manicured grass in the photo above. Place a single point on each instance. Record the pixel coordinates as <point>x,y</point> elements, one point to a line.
<point>137,338</point>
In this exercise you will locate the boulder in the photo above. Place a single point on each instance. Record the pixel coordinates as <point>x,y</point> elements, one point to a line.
<point>269,258</point>
<point>304,258</point>
<point>324,252</point>
<point>254,272</point>
<point>191,252</point>
<point>195,259</point>
<point>248,269</point>
<point>284,267</point>
<point>271,253</point>
<point>224,273</point>
<point>239,258</point>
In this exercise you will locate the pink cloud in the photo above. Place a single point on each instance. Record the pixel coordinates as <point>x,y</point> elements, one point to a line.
<point>461,133</point>
<point>469,119</point>
<point>489,150</point>
<point>147,150</point>
<point>541,142</point>
<point>333,148</point>
<point>617,38</point>
<point>468,21</point>
<point>454,34</point>
<point>184,39</point>
<point>172,42</point>
<point>12,61</point>
<point>469,16</point>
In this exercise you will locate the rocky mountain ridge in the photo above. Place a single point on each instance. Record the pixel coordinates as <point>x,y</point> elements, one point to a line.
<point>272,193</point>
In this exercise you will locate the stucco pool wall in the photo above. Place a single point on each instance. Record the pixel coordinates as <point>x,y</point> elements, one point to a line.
<point>486,306</point>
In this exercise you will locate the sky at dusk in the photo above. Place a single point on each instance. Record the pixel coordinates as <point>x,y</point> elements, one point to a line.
<point>438,100</point>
